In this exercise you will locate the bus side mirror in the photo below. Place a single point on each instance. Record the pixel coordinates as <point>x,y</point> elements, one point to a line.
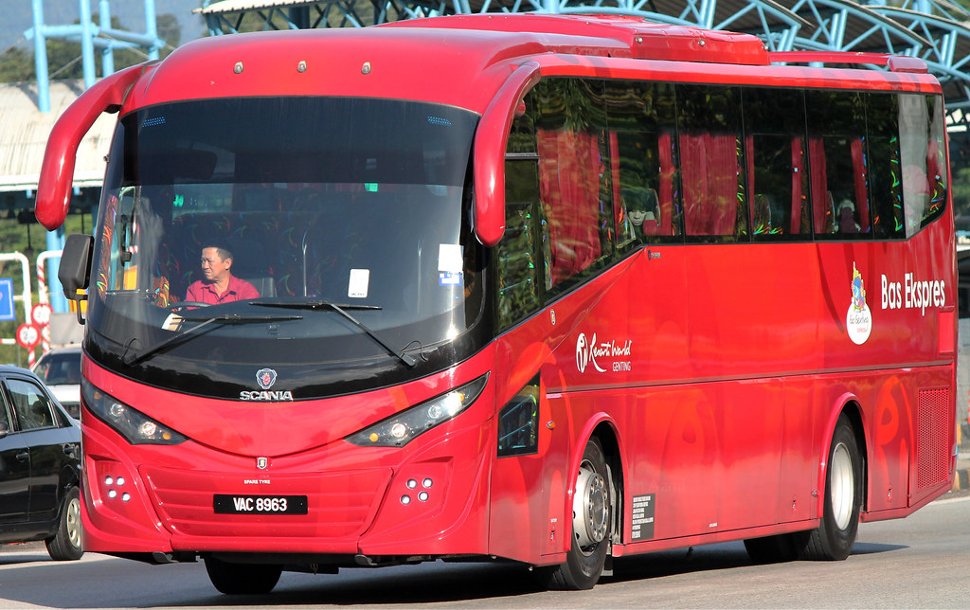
<point>491,140</point>
<point>75,270</point>
<point>57,170</point>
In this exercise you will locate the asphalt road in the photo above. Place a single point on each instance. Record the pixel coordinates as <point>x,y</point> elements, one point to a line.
<point>918,562</point>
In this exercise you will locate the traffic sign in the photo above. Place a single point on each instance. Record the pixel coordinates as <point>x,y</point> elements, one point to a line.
<point>41,314</point>
<point>7,313</point>
<point>28,335</point>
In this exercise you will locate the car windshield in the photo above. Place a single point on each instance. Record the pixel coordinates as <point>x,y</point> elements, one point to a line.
<point>60,368</point>
<point>257,216</point>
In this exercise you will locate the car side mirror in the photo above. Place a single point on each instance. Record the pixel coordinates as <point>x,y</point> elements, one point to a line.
<point>75,270</point>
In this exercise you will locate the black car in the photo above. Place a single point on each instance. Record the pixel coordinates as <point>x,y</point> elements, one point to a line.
<point>40,467</point>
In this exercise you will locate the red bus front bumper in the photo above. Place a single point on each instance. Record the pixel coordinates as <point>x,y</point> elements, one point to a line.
<point>429,498</point>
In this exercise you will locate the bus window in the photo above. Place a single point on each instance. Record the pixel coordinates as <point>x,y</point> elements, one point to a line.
<point>709,122</point>
<point>882,123</point>
<point>922,155</point>
<point>518,261</point>
<point>836,152</point>
<point>777,183</point>
<point>574,184</point>
<point>641,120</point>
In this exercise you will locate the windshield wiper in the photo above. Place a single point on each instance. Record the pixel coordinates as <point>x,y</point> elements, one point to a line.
<point>315,303</point>
<point>227,318</point>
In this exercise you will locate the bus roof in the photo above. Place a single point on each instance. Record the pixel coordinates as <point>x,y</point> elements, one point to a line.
<point>462,60</point>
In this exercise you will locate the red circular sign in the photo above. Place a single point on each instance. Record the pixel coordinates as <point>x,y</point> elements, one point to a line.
<point>41,314</point>
<point>28,335</point>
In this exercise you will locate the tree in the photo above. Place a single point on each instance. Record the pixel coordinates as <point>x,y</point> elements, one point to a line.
<point>17,65</point>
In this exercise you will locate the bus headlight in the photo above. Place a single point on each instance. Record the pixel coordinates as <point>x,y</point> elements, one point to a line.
<point>136,427</point>
<point>403,427</point>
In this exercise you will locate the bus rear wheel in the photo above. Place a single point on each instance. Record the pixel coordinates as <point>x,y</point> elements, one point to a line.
<point>242,578</point>
<point>591,524</point>
<point>833,539</point>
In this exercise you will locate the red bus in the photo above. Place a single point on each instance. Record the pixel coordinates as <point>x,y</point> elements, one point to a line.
<point>551,289</point>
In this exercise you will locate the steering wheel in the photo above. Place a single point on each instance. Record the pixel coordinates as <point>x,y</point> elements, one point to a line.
<point>185,304</point>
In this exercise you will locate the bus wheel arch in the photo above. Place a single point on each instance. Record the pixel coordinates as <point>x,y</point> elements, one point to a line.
<point>843,491</point>
<point>594,511</point>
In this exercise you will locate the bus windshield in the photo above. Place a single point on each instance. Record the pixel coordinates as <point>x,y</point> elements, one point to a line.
<point>327,236</point>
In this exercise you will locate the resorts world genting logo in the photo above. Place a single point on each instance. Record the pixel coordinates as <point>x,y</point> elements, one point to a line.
<point>613,354</point>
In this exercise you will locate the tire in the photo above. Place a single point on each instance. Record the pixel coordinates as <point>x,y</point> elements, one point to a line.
<point>833,539</point>
<point>591,524</point>
<point>67,544</point>
<point>242,578</point>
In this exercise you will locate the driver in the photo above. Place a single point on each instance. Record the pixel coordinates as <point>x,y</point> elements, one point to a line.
<point>219,284</point>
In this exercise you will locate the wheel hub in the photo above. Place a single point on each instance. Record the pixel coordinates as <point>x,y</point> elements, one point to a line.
<point>590,508</point>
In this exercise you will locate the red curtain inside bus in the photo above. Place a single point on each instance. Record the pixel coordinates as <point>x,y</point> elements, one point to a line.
<point>709,174</point>
<point>569,187</point>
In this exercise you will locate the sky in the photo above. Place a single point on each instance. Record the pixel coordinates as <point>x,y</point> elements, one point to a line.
<point>18,16</point>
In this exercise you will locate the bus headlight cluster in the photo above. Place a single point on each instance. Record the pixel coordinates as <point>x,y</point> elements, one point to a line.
<point>136,427</point>
<point>403,427</point>
<point>422,495</point>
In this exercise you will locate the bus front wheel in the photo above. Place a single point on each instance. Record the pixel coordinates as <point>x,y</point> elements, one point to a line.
<point>833,539</point>
<point>242,578</point>
<point>591,523</point>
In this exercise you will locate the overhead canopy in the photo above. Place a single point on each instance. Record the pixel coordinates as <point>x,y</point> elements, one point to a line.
<point>26,130</point>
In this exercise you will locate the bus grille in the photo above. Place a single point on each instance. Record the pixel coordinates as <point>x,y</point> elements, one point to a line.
<point>340,504</point>
<point>933,432</point>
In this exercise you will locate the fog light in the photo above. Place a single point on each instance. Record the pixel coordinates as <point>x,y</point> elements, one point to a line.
<point>120,481</point>
<point>427,483</point>
<point>109,481</point>
<point>112,493</point>
<point>423,496</point>
<point>412,483</point>
<point>405,500</point>
<point>125,497</point>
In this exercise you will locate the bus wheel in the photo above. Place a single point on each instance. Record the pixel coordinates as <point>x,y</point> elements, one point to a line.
<point>242,578</point>
<point>833,539</point>
<point>592,510</point>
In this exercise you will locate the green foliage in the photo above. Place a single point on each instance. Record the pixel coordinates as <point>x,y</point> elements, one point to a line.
<point>14,237</point>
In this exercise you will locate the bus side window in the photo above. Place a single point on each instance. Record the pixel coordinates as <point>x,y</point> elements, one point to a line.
<point>709,142</point>
<point>574,179</point>
<point>777,180</point>
<point>922,155</point>
<point>518,252</point>
<point>885,186</point>
<point>640,118</point>
<point>837,157</point>
<point>518,256</point>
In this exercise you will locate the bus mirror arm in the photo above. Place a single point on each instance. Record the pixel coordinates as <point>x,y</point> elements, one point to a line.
<point>491,140</point>
<point>74,272</point>
<point>57,171</point>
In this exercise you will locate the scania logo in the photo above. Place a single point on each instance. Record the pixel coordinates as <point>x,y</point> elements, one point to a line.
<point>274,395</point>
<point>266,378</point>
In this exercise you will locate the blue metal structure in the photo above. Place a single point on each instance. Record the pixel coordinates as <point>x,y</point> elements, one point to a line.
<point>92,36</point>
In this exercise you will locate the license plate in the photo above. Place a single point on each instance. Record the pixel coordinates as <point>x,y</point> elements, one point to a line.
<point>226,504</point>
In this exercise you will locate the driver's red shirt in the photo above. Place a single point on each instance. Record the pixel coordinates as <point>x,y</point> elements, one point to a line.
<point>237,290</point>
